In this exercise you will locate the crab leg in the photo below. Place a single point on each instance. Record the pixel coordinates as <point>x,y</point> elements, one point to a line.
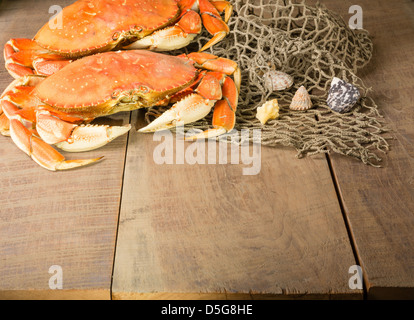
<point>72,137</point>
<point>224,6</point>
<point>213,23</point>
<point>33,128</point>
<point>10,93</point>
<point>4,125</point>
<point>28,141</point>
<point>224,115</point>
<point>42,153</point>
<point>26,116</point>
<point>51,130</point>
<point>24,57</point>
<point>211,18</point>
<point>17,94</point>
<point>211,62</point>
<point>15,68</point>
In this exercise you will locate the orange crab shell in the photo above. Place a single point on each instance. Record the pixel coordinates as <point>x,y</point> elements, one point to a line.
<point>91,26</point>
<point>96,85</point>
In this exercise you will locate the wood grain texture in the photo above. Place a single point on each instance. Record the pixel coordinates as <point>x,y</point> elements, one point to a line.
<point>379,203</point>
<point>67,218</point>
<point>208,231</point>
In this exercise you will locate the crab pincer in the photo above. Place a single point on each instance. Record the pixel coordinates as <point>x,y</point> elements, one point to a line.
<point>213,88</point>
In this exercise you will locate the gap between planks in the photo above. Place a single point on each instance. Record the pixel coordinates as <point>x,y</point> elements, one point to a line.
<point>347,225</point>
<point>119,208</point>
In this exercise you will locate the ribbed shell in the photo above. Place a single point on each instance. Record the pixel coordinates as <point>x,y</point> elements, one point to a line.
<point>301,100</point>
<point>277,80</point>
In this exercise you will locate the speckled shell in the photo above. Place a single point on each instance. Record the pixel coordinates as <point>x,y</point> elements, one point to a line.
<point>268,111</point>
<point>277,80</point>
<point>342,96</point>
<point>301,100</point>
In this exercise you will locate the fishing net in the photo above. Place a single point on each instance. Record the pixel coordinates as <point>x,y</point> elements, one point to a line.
<point>313,45</point>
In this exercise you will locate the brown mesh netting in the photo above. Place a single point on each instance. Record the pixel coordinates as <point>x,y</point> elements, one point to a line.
<point>313,45</point>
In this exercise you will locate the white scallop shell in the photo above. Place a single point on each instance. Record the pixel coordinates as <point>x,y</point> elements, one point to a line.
<point>268,111</point>
<point>301,100</point>
<point>277,80</point>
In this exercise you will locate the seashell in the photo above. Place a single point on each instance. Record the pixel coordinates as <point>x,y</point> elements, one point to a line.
<point>277,80</point>
<point>301,100</point>
<point>268,111</point>
<point>342,96</point>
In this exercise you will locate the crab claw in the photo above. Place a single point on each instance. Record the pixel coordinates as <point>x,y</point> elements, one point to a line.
<point>212,88</point>
<point>213,23</point>
<point>192,108</point>
<point>73,138</point>
<point>42,153</point>
<point>91,137</point>
<point>195,107</point>
<point>224,6</point>
<point>175,37</point>
<point>224,115</point>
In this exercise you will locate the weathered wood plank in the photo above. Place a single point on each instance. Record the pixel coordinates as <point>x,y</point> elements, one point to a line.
<point>67,219</point>
<point>379,203</point>
<point>207,231</point>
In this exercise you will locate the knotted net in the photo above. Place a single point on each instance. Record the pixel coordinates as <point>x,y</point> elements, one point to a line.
<point>313,45</point>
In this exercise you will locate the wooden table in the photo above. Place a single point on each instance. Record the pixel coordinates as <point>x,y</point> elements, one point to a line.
<point>128,228</point>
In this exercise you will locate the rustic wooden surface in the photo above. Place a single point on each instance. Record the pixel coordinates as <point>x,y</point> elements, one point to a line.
<point>209,231</point>
<point>379,204</point>
<point>128,228</point>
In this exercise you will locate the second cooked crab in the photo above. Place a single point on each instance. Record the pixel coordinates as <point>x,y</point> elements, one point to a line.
<point>92,26</point>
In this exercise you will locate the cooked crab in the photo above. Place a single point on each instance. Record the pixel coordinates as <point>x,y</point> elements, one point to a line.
<point>42,111</point>
<point>93,26</point>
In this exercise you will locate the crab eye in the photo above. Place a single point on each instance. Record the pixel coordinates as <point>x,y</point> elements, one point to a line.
<point>143,89</point>
<point>138,28</point>
<point>116,36</point>
<point>116,94</point>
